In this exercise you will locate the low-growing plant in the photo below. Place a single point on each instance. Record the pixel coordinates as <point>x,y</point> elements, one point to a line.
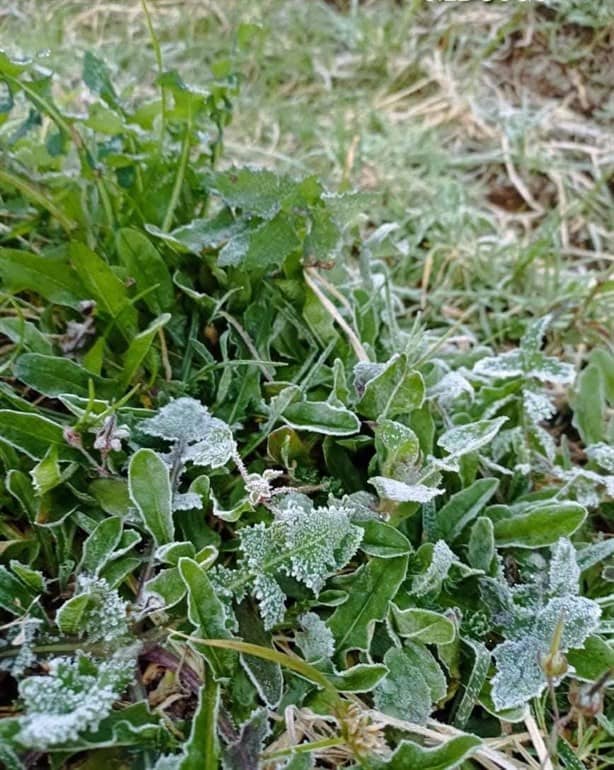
<point>251,517</point>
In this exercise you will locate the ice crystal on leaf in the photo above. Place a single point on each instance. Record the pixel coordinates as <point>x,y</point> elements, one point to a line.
<point>528,360</point>
<point>531,629</point>
<point>203,439</point>
<point>96,611</point>
<point>602,455</point>
<point>437,571</point>
<point>304,542</point>
<point>450,387</point>
<point>76,696</point>
<point>400,492</point>
<point>316,640</point>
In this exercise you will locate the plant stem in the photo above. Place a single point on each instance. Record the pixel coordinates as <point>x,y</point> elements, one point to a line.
<point>183,164</point>
<point>305,748</point>
<point>356,344</point>
<point>155,43</point>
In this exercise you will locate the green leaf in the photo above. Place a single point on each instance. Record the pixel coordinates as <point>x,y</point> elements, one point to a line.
<point>463,507</point>
<point>244,753</point>
<point>371,590</point>
<point>46,474</point>
<point>474,684</point>
<point>148,269</point>
<point>255,190</point>
<point>360,678</point>
<point>481,548</point>
<point>591,662</point>
<point>321,417</point>
<point>446,757</point>
<point>53,376</point>
<point>98,547</point>
<point>97,78</point>
<point>383,540</point>
<point>207,615</point>
<point>34,435</point>
<point>593,390</point>
<point>50,277</point>
<point>139,348</point>
<point>150,490</point>
<point>266,676</point>
<point>25,333</point>
<point>15,597</point>
<point>542,525</point>
<point>168,586</point>
<point>112,495</point>
<point>105,287</point>
<point>201,752</point>
<point>262,248</point>
<point>423,625</point>
<point>407,692</point>
<point>71,615</point>
<point>397,447</point>
<point>393,391</point>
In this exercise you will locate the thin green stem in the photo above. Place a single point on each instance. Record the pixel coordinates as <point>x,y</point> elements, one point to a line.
<point>158,55</point>
<point>305,748</point>
<point>183,164</point>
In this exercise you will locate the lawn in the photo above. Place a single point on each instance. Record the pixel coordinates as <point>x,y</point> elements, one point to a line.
<point>306,410</point>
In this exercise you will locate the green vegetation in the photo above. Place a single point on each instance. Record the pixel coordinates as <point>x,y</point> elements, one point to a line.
<point>306,411</point>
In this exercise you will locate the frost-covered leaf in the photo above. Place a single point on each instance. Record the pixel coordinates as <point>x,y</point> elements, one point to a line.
<point>528,361</point>
<point>315,640</point>
<point>450,387</point>
<point>399,492</point>
<point>501,366</point>
<point>537,406</point>
<point>303,542</point>
<point>431,579</point>
<point>564,570</point>
<point>448,756</point>
<point>150,490</point>
<point>203,440</point>
<point>397,447</point>
<point>403,693</point>
<point>321,417</point>
<point>96,611</point>
<point>422,625</point>
<point>207,614</point>
<point>244,753</point>
<point>520,676</point>
<point>74,698</point>
<point>548,369</point>
<point>372,588</point>
<point>463,439</point>
<point>389,391</point>
<point>215,450</point>
<point>602,455</point>
<point>183,419</point>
